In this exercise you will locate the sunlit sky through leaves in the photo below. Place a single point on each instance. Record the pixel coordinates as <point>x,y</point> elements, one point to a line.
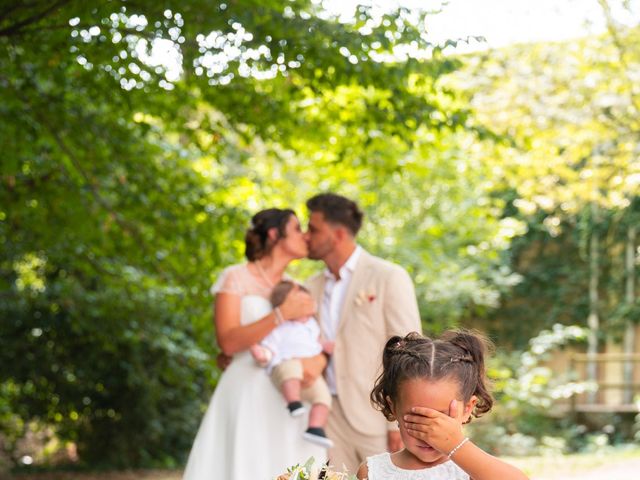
<point>501,22</point>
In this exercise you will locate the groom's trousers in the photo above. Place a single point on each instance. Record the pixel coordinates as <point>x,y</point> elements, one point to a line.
<point>351,447</point>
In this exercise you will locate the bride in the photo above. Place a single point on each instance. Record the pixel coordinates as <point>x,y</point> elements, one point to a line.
<point>247,432</point>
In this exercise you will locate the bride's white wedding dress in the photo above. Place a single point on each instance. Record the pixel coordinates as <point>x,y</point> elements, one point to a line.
<point>247,432</point>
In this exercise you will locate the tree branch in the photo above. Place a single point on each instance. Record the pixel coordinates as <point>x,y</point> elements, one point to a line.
<point>622,52</point>
<point>16,28</point>
<point>7,11</point>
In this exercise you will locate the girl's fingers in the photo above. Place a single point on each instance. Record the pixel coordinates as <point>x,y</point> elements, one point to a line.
<point>416,426</point>
<point>425,412</point>
<point>417,434</point>
<point>417,420</point>
<point>422,416</point>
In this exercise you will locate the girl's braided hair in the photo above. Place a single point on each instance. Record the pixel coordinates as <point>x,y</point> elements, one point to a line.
<point>457,355</point>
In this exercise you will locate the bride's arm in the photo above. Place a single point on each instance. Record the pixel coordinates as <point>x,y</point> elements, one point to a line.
<point>233,337</point>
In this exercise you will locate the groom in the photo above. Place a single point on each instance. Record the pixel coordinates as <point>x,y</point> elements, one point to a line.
<point>362,301</point>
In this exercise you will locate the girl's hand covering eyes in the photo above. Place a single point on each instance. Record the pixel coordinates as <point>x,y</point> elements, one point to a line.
<point>440,430</point>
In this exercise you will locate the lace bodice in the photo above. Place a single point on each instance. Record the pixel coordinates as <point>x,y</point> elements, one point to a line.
<point>380,468</point>
<point>253,290</point>
<point>238,280</point>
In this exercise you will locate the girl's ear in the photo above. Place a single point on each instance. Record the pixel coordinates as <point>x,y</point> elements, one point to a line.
<point>391,407</point>
<point>468,409</point>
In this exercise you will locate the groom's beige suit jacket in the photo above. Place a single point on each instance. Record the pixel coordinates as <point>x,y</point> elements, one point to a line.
<point>380,302</point>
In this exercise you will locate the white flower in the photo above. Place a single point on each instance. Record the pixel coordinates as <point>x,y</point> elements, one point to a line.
<point>365,296</point>
<point>309,471</point>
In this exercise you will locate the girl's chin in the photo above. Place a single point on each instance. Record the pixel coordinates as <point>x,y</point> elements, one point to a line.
<point>428,454</point>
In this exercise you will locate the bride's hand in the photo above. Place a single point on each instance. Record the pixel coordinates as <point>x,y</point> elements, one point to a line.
<point>297,304</point>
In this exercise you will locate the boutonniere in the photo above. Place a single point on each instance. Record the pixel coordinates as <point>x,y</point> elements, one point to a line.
<point>365,296</point>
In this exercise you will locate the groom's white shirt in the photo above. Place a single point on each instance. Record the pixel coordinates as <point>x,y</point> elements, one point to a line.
<point>335,291</point>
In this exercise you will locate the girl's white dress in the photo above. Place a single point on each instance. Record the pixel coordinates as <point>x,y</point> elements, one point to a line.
<point>247,432</point>
<point>381,468</point>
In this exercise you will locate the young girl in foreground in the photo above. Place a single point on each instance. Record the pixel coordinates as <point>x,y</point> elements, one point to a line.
<point>431,387</point>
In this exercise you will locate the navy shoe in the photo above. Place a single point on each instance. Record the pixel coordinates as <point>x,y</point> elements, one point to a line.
<point>296,409</point>
<point>316,435</point>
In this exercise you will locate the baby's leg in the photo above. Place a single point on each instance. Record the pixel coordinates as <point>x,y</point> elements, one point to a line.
<point>291,389</point>
<point>320,397</point>
<point>288,377</point>
<point>318,415</point>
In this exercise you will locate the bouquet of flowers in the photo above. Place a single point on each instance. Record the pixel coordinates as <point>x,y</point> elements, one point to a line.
<point>309,471</point>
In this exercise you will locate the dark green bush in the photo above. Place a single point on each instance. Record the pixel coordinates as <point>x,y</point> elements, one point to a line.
<point>112,368</point>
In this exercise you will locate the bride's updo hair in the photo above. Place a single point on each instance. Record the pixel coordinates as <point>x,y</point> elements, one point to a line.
<point>256,240</point>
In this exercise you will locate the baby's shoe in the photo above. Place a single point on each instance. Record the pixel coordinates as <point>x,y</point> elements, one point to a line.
<point>296,409</point>
<point>316,435</point>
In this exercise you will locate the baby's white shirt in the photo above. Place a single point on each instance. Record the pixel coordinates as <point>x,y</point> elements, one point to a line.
<point>293,339</point>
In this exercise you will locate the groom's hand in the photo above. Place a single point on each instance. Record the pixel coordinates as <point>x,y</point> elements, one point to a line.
<point>328,346</point>
<point>223,361</point>
<point>312,368</point>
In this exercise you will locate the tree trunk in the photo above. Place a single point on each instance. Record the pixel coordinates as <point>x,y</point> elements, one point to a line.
<point>629,334</point>
<point>593,321</point>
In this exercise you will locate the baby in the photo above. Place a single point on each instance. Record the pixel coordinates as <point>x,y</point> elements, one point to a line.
<point>280,352</point>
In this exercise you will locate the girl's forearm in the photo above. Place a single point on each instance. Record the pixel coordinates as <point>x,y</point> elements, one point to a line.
<point>482,466</point>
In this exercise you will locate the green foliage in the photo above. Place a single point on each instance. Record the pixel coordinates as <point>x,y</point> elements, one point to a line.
<point>554,272</point>
<point>526,390</point>
<point>98,360</point>
<point>566,157</point>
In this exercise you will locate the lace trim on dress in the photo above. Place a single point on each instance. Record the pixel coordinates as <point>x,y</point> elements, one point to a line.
<point>238,280</point>
<point>381,467</point>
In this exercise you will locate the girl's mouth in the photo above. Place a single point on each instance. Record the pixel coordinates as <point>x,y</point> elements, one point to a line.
<point>425,446</point>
